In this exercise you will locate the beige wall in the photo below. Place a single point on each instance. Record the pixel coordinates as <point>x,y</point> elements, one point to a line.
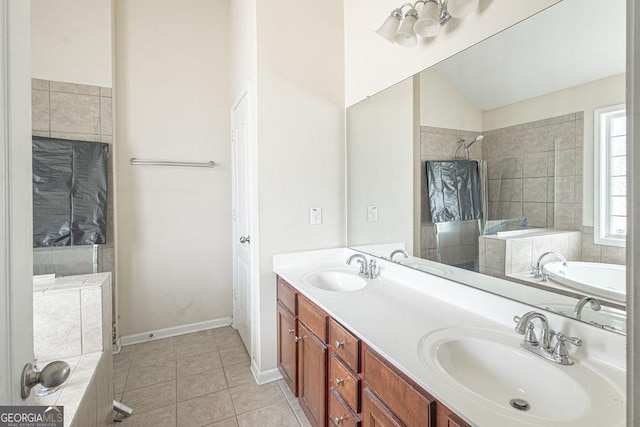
<point>300,139</point>
<point>443,105</point>
<point>174,235</point>
<point>372,63</point>
<point>71,41</point>
<point>380,135</point>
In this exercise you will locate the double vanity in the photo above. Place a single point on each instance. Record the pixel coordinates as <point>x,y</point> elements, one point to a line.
<point>364,345</point>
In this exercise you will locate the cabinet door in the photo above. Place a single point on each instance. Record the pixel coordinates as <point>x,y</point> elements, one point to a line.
<point>312,376</point>
<point>375,413</point>
<point>287,348</point>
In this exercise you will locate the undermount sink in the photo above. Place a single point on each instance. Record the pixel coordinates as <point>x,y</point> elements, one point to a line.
<point>337,280</point>
<point>490,368</point>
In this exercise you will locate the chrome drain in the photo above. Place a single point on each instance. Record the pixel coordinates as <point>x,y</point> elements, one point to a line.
<point>519,404</point>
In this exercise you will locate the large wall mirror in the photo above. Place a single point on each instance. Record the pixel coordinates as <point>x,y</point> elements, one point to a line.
<point>532,120</point>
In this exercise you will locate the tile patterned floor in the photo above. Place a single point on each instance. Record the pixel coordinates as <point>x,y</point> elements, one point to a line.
<point>199,379</point>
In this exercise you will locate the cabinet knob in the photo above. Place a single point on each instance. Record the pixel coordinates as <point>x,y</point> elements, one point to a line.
<point>298,339</point>
<point>291,331</point>
<point>339,381</point>
<point>339,344</point>
<point>337,421</point>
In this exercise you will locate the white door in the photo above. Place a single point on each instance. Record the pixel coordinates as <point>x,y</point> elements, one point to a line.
<point>240,135</point>
<point>16,252</point>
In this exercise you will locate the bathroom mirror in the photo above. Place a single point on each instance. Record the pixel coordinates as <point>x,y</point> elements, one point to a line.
<point>522,105</point>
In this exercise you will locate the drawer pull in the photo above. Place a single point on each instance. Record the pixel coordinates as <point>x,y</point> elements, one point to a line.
<point>339,344</point>
<point>337,421</point>
<point>339,381</point>
<point>291,331</point>
<point>298,339</point>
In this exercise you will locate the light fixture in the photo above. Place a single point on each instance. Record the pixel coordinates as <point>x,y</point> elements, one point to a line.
<point>405,22</point>
<point>461,8</point>
<point>406,36</point>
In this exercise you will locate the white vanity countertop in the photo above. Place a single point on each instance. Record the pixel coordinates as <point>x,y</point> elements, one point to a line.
<point>392,318</point>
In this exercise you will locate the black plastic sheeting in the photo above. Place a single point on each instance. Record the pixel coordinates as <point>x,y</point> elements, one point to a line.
<point>454,190</point>
<point>69,192</point>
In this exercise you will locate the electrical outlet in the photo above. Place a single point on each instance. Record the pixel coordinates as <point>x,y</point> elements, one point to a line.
<point>315,215</point>
<point>372,213</point>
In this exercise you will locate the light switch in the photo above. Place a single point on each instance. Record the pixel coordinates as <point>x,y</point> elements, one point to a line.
<point>315,216</point>
<point>372,213</point>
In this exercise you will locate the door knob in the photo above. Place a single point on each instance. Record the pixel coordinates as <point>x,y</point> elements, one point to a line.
<point>245,239</point>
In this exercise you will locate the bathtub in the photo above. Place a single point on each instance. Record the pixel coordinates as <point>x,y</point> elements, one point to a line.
<point>599,280</point>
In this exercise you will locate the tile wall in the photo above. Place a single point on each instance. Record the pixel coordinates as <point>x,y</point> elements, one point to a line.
<point>82,113</point>
<point>522,163</point>
<point>534,169</point>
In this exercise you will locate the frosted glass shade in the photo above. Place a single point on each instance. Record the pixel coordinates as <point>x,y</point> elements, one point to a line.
<point>405,35</point>
<point>429,23</point>
<point>389,28</point>
<point>461,8</point>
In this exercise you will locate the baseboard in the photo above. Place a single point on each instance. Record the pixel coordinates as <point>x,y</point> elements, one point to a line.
<point>174,331</point>
<point>264,377</point>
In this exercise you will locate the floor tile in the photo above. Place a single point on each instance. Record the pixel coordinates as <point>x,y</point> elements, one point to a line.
<point>196,363</point>
<point>276,415</point>
<point>288,394</point>
<point>231,422</point>
<point>239,374</point>
<point>250,397</point>
<point>151,397</point>
<point>226,337</point>
<point>148,375</point>
<point>161,417</point>
<point>200,384</point>
<point>197,347</point>
<point>195,337</point>
<point>153,357</point>
<point>234,355</point>
<point>205,409</point>
<point>299,413</point>
<point>119,380</point>
<point>161,344</point>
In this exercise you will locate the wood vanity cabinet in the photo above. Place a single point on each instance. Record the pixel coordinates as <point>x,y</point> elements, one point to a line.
<point>339,380</point>
<point>312,361</point>
<point>287,333</point>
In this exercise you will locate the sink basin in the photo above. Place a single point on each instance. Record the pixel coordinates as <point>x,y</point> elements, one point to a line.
<point>337,280</point>
<point>426,266</point>
<point>490,368</point>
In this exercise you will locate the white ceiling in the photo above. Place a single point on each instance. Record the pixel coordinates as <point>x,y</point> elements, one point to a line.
<point>571,43</point>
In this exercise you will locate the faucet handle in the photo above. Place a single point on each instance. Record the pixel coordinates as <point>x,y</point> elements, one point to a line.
<point>373,269</point>
<point>560,352</point>
<point>530,336</point>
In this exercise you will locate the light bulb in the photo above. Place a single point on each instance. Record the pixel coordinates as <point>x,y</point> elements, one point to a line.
<point>405,35</point>
<point>390,26</point>
<point>429,23</point>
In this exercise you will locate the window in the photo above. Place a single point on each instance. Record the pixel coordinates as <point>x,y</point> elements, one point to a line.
<point>610,142</point>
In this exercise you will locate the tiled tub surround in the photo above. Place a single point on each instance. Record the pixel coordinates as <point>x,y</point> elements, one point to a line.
<point>72,322</point>
<point>504,255</point>
<point>410,304</point>
<point>82,113</point>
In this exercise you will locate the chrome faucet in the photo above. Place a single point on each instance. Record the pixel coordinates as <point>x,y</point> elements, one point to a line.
<point>367,270</point>
<point>595,306</point>
<point>537,270</point>
<point>398,251</point>
<point>558,353</point>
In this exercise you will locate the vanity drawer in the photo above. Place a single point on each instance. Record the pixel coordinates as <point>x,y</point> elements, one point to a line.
<point>345,344</point>
<point>340,415</point>
<point>313,317</point>
<point>345,382</point>
<point>287,296</point>
<point>407,401</point>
